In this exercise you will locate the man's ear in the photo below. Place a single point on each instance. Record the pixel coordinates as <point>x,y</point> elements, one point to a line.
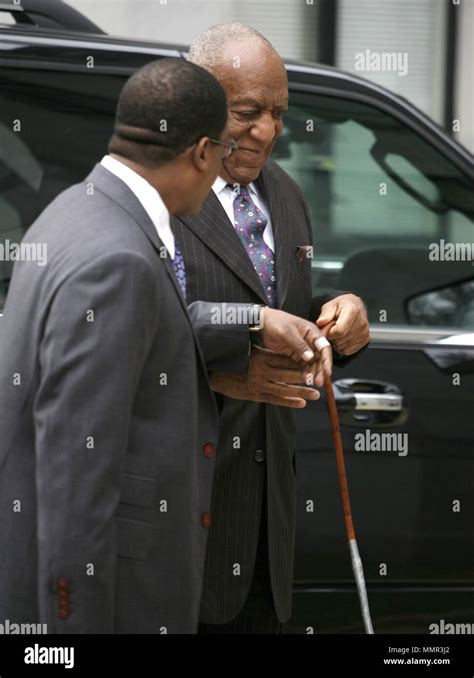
<point>201,154</point>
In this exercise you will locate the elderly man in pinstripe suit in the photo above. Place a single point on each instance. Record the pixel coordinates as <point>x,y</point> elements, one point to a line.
<point>241,248</point>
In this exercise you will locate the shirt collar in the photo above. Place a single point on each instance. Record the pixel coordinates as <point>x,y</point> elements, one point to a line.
<point>129,176</point>
<point>148,196</point>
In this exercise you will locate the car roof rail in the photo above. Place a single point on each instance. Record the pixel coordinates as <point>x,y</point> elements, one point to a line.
<point>49,14</point>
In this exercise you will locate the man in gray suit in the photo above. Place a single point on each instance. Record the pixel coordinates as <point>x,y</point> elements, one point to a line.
<point>108,427</point>
<point>104,494</point>
<point>243,247</point>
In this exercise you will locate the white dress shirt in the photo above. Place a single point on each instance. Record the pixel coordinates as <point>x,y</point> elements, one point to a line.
<point>148,197</point>
<point>226,196</point>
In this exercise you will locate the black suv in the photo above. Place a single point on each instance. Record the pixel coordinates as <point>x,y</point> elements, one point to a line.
<point>391,200</point>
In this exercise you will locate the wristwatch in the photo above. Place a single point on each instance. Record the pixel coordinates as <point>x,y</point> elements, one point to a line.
<point>257,316</point>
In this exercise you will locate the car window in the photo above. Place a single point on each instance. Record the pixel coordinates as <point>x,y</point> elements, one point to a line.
<point>53,127</point>
<point>385,207</point>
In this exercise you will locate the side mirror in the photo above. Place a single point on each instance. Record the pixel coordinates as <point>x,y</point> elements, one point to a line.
<point>450,306</point>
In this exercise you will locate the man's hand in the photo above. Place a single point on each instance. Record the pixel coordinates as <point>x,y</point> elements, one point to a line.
<point>270,379</point>
<point>294,337</point>
<point>350,330</point>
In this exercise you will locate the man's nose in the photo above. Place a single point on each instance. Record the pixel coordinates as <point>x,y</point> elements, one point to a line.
<point>266,128</point>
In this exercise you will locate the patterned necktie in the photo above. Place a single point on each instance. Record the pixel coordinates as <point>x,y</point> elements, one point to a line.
<point>250,224</point>
<point>180,269</point>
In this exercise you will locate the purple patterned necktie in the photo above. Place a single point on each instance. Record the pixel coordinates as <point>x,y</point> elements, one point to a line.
<point>250,224</point>
<point>180,269</point>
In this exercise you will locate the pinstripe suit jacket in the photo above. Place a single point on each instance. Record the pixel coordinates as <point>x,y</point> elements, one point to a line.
<point>254,439</point>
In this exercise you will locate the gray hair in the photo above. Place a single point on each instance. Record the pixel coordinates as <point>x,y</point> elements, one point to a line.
<point>207,49</point>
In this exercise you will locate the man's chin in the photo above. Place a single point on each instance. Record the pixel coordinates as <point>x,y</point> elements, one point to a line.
<point>243,175</point>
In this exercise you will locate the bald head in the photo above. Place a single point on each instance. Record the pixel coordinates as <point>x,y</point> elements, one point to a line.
<point>209,48</point>
<point>254,78</point>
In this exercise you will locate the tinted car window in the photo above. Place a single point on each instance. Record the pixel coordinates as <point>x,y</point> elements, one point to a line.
<point>381,199</point>
<point>53,127</point>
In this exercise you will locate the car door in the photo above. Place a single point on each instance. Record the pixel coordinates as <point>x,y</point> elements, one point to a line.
<point>392,222</point>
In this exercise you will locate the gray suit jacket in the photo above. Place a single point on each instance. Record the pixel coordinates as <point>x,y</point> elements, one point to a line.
<point>256,441</point>
<point>107,426</point>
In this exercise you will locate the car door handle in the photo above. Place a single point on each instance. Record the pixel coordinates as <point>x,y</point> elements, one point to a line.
<point>387,402</point>
<point>363,402</point>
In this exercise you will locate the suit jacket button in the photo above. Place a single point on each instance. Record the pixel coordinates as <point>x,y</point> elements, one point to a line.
<point>259,455</point>
<point>209,450</point>
<point>206,519</point>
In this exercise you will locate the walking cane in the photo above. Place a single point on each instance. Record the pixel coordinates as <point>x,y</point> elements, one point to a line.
<point>346,505</point>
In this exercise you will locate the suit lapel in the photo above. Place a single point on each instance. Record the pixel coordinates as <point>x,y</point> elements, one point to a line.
<point>272,191</point>
<point>213,227</point>
<point>119,192</point>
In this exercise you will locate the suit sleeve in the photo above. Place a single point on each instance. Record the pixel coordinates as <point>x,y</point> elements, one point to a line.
<point>223,338</point>
<point>97,334</point>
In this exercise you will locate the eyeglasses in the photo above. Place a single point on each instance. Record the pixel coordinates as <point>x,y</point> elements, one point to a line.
<point>230,145</point>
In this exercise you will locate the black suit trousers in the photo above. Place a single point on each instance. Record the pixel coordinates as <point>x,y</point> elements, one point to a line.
<point>258,613</point>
